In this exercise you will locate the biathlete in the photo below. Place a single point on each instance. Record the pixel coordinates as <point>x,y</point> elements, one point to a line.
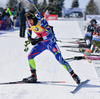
<point>89,36</point>
<point>89,33</point>
<point>45,41</point>
<point>95,45</point>
<point>96,40</point>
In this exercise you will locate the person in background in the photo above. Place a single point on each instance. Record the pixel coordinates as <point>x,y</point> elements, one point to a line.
<point>8,11</point>
<point>3,13</point>
<point>14,17</point>
<point>89,33</point>
<point>22,22</point>
<point>95,43</point>
<point>45,40</point>
<point>46,14</point>
<point>0,16</point>
<point>96,40</point>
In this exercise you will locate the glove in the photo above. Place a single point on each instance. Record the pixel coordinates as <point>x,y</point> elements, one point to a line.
<point>35,40</point>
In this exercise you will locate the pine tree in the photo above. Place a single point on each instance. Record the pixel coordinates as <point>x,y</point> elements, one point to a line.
<point>98,4</point>
<point>24,4</point>
<point>55,7</point>
<point>92,8</point>
<point>75,3</point>
<point>50,0</point>
<point>43,6</point>
<point>12,4</point>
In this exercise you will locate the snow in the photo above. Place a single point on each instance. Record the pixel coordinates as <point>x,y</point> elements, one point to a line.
<point>14,66</point>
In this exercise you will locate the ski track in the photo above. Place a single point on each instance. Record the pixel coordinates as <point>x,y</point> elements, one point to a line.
<point>14,66</point>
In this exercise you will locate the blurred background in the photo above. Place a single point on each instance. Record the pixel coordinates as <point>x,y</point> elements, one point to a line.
<point>79,9</point>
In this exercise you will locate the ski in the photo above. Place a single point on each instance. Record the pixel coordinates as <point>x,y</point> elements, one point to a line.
<point>82,46</point>
<point>79,39</point>
<point>38,82</point>
<point>80,86</point>
<point>82,57</point>
<point>75,42</point>
<point>88,54</point>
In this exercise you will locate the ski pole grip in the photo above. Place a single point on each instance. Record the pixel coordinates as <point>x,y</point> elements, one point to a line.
<point>31,1</point>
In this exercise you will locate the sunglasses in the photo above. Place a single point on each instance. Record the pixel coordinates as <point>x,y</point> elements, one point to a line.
<point>94,23</point>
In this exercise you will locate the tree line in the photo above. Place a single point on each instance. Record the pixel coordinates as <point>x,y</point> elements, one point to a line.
<point>54,6</point>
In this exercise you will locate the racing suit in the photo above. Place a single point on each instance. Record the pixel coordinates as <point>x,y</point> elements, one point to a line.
<point>43,29</point>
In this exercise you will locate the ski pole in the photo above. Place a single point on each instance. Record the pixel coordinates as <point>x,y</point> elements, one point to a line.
<point>32,2</point>
<point>86,58</point>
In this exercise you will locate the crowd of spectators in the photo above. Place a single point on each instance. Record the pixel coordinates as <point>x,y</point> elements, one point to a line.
<point>10,18</point>
<point>7,17</point>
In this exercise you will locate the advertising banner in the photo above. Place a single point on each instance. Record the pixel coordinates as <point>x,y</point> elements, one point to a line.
<point>52,17</point>
<point>89,17</point>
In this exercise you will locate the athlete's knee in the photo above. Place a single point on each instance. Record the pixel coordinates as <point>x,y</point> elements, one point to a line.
<point>30,56</point>
<point>59,58</point>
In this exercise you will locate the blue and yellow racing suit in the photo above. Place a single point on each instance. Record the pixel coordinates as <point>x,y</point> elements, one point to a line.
<point>48,43</point>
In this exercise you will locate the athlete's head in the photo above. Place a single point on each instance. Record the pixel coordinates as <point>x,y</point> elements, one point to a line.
<point>93,22</point>
<point>31,18</point>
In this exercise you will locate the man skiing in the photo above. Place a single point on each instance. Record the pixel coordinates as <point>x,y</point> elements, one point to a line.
<point>45,40</point>
<point>90,30</point>
<point>96,39</point>
<point>89,33</point>
<point>95,45</point>
<point>46,14</point>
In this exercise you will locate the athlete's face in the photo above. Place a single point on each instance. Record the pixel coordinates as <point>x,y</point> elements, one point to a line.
<point>94,25</point>
<point>30,21</point>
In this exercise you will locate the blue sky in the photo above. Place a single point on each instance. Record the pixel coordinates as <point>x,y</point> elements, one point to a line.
<point>82,3</point>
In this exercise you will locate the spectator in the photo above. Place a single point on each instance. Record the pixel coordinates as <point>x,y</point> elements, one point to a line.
<point>22,23</point>
<point>46,14</point>
<point>3,13</point>
<point>0,16</point>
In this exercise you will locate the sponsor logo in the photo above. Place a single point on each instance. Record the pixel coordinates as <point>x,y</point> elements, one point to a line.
<point>52,17</point>
<point>36,29</point>
<point>54,49</point>
<point>97,17</point>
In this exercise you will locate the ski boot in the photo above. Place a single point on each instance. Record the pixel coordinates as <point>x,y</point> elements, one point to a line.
<point>32,78</point>
<point>75,77</point>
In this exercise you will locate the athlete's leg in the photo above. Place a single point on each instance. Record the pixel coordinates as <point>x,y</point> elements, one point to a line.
<point>36,50</point>
<point>55,50</point>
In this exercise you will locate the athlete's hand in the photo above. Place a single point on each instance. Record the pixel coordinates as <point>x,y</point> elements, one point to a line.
<point>35,40</point>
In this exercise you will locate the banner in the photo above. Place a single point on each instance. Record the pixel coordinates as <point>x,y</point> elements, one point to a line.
<point>52,17</point>
<point>97,17</point>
